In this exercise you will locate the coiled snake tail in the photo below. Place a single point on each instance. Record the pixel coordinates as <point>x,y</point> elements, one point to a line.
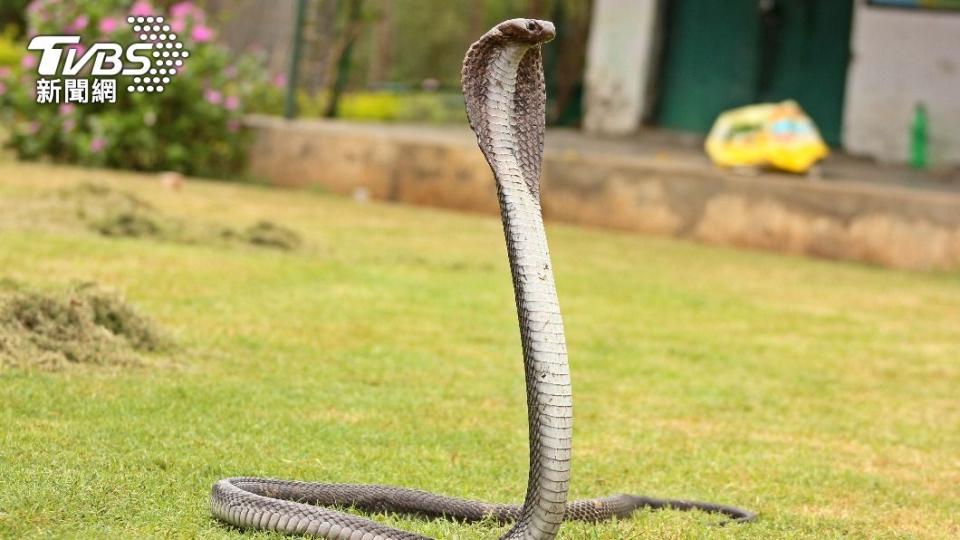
<point>505,97</point>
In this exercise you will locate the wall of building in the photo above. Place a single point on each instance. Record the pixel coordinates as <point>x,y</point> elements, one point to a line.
<point>620,56</point>
<point>902,57</point>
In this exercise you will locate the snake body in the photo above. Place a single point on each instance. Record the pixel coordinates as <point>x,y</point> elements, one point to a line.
<point>505,96</point>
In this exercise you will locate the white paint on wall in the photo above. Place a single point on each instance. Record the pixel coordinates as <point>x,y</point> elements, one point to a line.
<point>619,65</point>
<point>900,58</point>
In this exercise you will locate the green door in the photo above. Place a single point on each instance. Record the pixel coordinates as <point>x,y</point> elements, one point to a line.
<point>719,55</point>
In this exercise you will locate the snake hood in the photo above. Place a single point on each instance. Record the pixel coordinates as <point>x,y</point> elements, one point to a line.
<point>503,88</point>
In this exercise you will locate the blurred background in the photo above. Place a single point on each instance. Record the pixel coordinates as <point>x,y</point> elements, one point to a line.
<point>640,79</point>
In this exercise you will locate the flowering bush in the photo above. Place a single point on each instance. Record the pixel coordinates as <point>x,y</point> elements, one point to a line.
<point>193,126</point>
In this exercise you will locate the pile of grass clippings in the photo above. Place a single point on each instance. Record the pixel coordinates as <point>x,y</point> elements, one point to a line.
<point>119,214</point>
<point>84,324</point>
<point>266,234</point>
<point>94,202</point>
<point>91,198</point>
<point>129,225</point>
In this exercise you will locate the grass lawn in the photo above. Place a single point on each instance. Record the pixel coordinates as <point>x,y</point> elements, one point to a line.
<point>385,349</point>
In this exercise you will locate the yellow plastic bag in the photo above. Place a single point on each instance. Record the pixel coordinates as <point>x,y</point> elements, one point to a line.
<point>778,135</point>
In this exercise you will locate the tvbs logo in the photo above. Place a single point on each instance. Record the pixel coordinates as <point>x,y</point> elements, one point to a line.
<point>153,62</point>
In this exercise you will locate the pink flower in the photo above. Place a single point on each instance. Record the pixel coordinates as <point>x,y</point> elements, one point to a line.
<point>108,25</point>
<point>181,10</point>
<point>39,7</point>
<point>202,34</point>
<point>141,7</point>
<point>98,144</point>
<point>232,103</point>
<point>79,24</point>
<point>213,97</point>
<point>5,72</point>
<point>279,80</point>
<point>233,126</point>
<point>3,88</point>
<point>178,25</point>
<point>33,128</point>
<point>68,125</point>
<point>29,61</point>
<point>66,108</point>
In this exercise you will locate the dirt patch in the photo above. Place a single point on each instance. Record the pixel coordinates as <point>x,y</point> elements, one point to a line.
<point>84,324</point>
<point>119,214</point>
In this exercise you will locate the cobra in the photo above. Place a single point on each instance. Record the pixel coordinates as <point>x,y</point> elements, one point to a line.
<point>504,90</point>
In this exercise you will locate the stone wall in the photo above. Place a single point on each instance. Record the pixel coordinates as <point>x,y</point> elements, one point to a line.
<point>442,167</point>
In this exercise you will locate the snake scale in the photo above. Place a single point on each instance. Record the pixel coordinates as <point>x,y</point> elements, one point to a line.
<point>505,96</point>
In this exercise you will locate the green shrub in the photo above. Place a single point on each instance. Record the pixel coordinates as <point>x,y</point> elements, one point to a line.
<point>11,50</point>
<point>193,127</point>
<point>12,13</point>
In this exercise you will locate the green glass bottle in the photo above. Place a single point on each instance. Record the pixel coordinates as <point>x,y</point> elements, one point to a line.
<point>918,138</point>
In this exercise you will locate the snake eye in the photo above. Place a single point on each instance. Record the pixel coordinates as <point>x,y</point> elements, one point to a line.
<point>532,26</point>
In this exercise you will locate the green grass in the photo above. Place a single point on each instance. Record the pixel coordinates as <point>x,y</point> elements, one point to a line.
<point>385,349</point>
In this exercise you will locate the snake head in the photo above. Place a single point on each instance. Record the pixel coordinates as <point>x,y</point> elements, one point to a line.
<point>530,31</point>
